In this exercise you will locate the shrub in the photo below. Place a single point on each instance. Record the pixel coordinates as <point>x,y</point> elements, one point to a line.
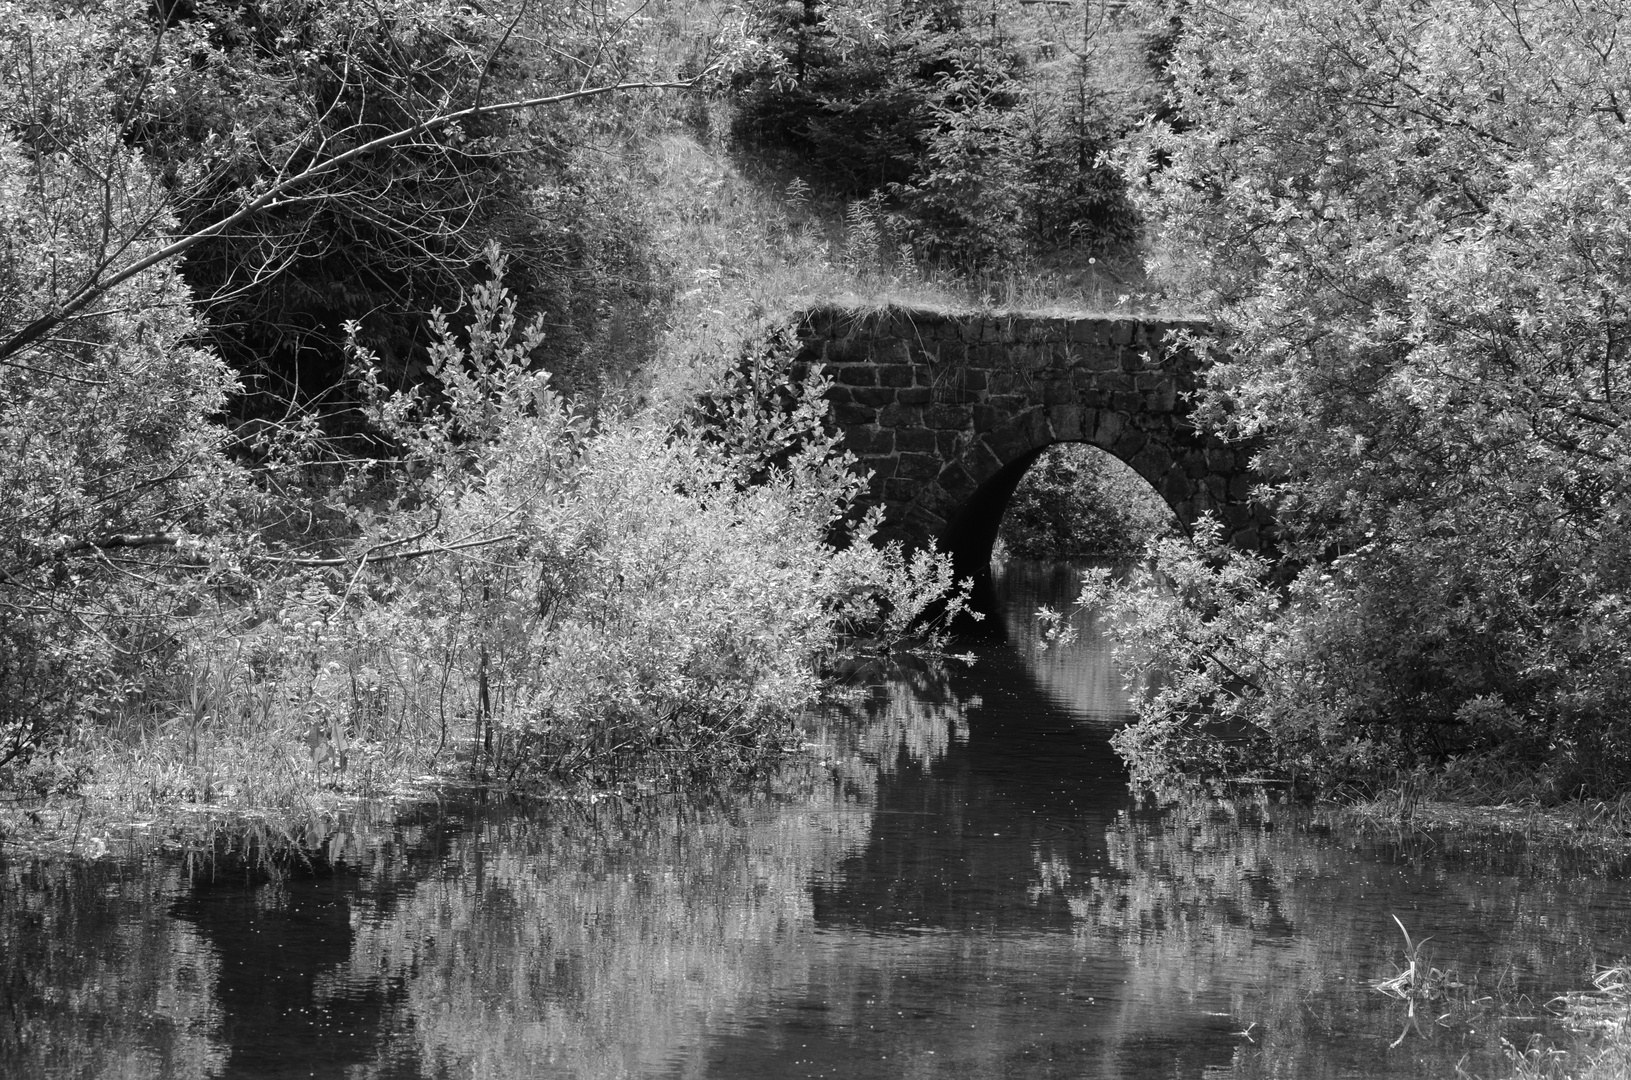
<point>1409,228</point>
<point>116,495</point>
<point>650,592</point>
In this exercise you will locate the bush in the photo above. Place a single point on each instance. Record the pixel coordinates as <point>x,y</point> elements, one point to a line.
<point>116,496</point>
<point>648,593</point>
<point>1410,232</point>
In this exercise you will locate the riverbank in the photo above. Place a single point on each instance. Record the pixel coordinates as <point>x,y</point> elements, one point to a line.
<point>1593,825</point>
<point>1551,840</point>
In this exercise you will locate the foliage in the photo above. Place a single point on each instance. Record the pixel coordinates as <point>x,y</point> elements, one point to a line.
<point>1409,222</point>
<point>653,592</point>
<point>294,146</point>
<point>593,593</point>
<point>984,146</point>
<point>116,498</point>
<point>1077,500</point>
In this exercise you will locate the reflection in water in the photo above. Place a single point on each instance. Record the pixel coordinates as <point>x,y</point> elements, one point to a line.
<point>1080,680</point>
<point>953,881</point>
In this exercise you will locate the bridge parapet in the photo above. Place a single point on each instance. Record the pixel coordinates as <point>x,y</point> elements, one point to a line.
<point>948,409</point>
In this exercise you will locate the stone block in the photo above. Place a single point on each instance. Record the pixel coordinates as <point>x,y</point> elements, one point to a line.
<point>847,414</point>
<point>1097,360</point>
<point>984,462</point>
<point>1130,442</point>
<point>838,393</point>
<point>1127,401</point>
<point>1107,428</point>
<point>992,355</point>
<point>869,441</point>
<point>1163,399</point>
<point>848,350</point>
<point>916,441</point>
<point>1059,392</point>
<point>1175,488</point>
<point>1091,398</point>
<point>949,444</point>
<point>1066,421</point>
<point>985,417</point>
<point>914,395</point>
<point>899,490</point>
<point>1059,355</point>
<point>892,352</point>
<point>947,417</point>
<point>897,375</point>
<point>900,416</point>
<point>1123,331</point>
<point>918,466</point>
<point>1024,357</point>
<point>856,375</point>
<point>1036,427</point>
<point>876,396</point>
<point>947,492</point>
<point>975,380</point>
<point>1085,332</point>
<point>1240,487</point>
<point>1153,460</point>
<point>1012,441</point>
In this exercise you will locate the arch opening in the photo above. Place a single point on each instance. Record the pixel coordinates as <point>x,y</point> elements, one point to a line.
<point>1063,499</point>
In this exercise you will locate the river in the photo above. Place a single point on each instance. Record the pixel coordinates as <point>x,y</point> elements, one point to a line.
<point>953,882</point>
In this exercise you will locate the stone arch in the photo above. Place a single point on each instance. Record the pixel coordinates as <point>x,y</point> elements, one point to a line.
<point>962,507</point>
<point>947,409</point>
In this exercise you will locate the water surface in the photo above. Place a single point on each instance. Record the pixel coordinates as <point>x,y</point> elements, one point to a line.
<point>953,882</point>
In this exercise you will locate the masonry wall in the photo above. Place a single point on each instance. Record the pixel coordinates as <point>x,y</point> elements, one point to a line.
<point>944,407</point>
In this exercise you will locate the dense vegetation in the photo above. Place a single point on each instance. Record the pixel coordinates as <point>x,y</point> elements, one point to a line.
<point>1409,220</point>
<point>280,460</point>
<point>417,536</point>
<point>976,133</point>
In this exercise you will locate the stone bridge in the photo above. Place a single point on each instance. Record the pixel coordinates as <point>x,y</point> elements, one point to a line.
<point>948,410</point>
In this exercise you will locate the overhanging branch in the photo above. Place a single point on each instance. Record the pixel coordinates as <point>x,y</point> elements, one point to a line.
<point>43,325</point>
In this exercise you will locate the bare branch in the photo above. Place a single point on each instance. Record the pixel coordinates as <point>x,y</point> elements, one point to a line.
<point>276,192</point>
